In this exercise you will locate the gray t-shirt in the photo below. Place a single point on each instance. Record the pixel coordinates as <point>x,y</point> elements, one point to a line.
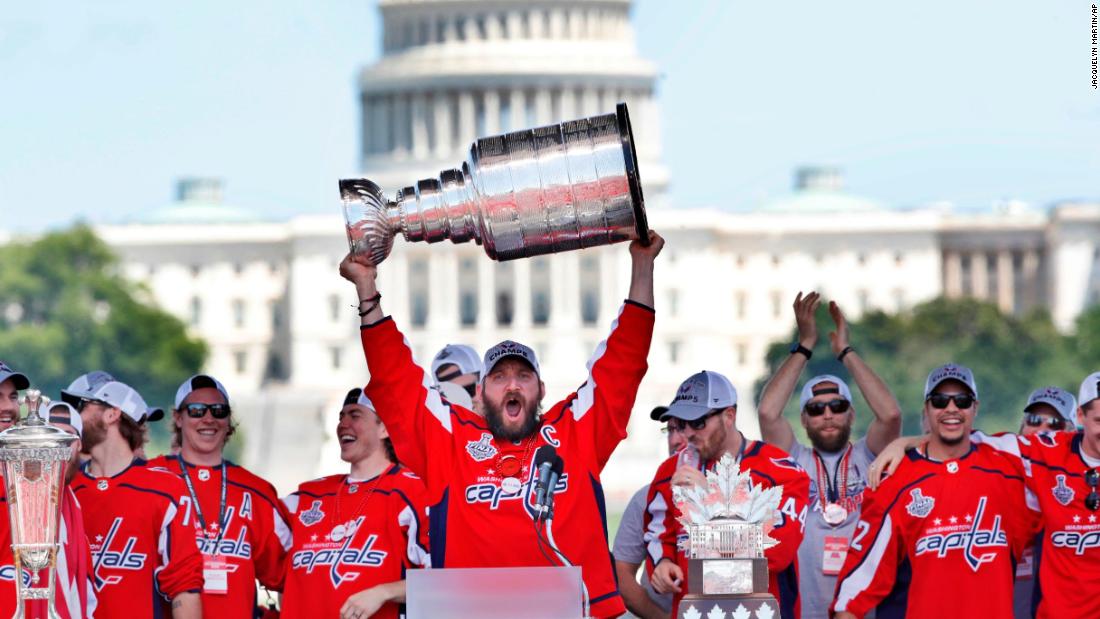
<point>630,547</point>
<point>815,588</point>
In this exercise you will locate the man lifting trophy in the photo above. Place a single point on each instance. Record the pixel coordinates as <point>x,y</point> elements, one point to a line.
<point>34,456</point>
<point>527,193</point>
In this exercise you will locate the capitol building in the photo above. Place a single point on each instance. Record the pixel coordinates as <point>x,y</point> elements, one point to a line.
<point>283,335</point>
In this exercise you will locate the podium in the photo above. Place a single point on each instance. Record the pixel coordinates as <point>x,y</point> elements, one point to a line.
<point>494,593</point>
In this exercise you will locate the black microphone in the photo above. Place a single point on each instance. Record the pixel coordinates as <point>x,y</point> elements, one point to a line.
<point>551,484</point>
<point>544,462</point>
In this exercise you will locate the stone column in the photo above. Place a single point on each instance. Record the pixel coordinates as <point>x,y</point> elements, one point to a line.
<point>401,121</point>
<point>590,105</point>
<point>467,123</point>
<point>1033,291</point>
<point>442,292</point>
<point>443,129</point>
<point>952,275</point>
<point>543,112</point>
<point>420,139</point>
<point>517,109</point>
<point>486,292</point>
<point>979,275</point>
<point>1006,282</point>
<point>450,31</point>
<point>513,28</point>
<point>492,112</point>
<point>521,320</point>
<point>569,102</point>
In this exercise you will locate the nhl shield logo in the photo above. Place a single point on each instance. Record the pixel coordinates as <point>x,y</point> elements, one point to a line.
<point>921,505</point>
<point>204,475</point>
<point>481,449</point>
<point>313,515</point>
<point>101,484</point>
<point>1062,493</point>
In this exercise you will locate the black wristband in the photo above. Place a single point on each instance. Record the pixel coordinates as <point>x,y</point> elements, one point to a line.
<point>843,353</point>
<point>797,347</point>
<point>374,301</point>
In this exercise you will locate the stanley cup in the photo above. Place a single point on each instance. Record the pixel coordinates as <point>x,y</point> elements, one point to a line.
<point>527,193</point>
<point>34,457</point>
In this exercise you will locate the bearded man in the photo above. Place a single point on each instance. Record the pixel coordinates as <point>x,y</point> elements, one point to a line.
<point>480,472</point>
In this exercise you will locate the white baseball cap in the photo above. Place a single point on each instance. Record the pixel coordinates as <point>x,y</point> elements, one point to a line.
<point>84,386</point>
<point>808,391</point>
<point>700,394</point>
<point>950,371</point>
<point>461,355</point>
<point>199,381</point>
<point>63,412</point>
<point>1090,389</point>
<point>506,349</point>
<point>1061,400</point>
<point>19,379</point>
<point>363,400</point>
<point>123,397</point>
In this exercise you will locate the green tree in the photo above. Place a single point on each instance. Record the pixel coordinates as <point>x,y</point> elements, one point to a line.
<point>1009,355</point>
<point>65,309</point>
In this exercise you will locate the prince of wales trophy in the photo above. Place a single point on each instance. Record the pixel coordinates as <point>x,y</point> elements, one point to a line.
<point>727,520</point>
<point>34,456</point>
<point>538,191</point>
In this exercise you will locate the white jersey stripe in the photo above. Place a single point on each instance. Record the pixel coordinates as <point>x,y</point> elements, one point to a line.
<point>416,554</point>
<point>861,578</point>
<point>432,401</point>
<point>652,537</point>
<point>586,395</point>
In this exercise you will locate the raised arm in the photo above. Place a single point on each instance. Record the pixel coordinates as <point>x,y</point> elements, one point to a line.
<point>886,426</point>
<point>641,269</point>
<point>774,428</point>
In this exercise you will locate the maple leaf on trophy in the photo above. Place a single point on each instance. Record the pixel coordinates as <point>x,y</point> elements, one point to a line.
<point>716,613</point>
<point>692,613</point>
<point>729,493</point>
<point>764,612</point>
<point>741,612</point>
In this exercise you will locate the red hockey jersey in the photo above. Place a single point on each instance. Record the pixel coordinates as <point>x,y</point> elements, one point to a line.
<point>1069,554</point>
<point>74,597</point>
<point>252,544</point>
<point>474,521</point>
<point>350,536</point>
<point>951,530</point>
<point>140,546</point>
<point>768,466</point>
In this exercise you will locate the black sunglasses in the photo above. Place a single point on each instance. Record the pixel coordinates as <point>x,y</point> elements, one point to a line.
<point>817,409</point>
<point>197,410</point>
<point>962,400</point>
<point>86,401</point>
<point>1092,479</point>
<point>679,425</point>
<point>1034,421</point>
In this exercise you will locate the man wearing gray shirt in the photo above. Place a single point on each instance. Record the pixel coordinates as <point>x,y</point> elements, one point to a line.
<point>629,549</point>
<point>837,467</point>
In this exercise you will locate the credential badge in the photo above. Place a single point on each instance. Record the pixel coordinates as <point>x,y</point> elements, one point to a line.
<point>481,449</point>
<point>921,505</point>
<point>313,515</point>
<point>1062,493</point>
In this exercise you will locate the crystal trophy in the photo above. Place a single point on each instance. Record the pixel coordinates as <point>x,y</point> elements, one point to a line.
<point>33,457</point>
<point>727,523</point>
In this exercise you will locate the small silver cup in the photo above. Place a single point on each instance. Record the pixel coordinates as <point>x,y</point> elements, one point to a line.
<point>527,193</point>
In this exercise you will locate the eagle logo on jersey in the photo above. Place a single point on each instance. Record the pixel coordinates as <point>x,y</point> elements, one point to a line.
<point>921,505</point>
<point>312,516</point>
<point>1062,493</point>
<point>481,449</point>
<point>126,559</point>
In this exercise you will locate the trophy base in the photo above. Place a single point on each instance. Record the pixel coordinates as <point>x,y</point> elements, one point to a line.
<point>754,606</point>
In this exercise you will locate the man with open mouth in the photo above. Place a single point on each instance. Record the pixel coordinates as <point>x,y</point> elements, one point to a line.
<point>480,472</point>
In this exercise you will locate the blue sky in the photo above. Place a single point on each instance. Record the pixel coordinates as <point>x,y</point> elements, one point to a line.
<point>106,104</point>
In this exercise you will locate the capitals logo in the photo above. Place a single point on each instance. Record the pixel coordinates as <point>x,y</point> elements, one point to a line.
<point>8,573</point>
<point>492,492</point>
<point>104,556</point>
<point>336,559</point>
<point>970,541</point>
<point>225,547</point>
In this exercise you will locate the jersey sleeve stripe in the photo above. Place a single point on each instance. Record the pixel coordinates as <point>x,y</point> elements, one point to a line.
<point>657,509</point>
<point>414,551</point>
<point>291,502</point>
<point>586,395</point>
<point>861,578</point>
<point>432,401</point>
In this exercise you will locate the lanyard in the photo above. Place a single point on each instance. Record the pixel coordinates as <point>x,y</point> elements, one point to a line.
<point>832,488</point>
<point>198,508</point>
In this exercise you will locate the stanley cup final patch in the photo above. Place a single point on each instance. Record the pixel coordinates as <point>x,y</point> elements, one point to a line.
<point>481,449</point>
<point>921,505</point>
<point>313,515</point>
<point>1062,493</point>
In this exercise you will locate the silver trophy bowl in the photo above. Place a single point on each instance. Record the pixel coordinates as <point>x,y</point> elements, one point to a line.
<point>527,193</point>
